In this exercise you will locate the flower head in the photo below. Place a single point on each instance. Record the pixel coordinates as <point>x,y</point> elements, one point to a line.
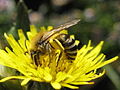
<point>54,68</point>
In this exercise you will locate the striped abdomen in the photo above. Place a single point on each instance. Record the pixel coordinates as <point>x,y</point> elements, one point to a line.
<point>69,45</point>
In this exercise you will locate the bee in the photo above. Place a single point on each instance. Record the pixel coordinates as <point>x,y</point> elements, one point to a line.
<point>40,44</point>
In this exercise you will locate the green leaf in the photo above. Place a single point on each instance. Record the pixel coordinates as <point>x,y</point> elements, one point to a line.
<point>113,75</point>
<point>22,20</point>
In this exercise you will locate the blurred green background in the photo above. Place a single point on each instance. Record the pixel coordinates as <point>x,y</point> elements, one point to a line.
<point>100,20</point>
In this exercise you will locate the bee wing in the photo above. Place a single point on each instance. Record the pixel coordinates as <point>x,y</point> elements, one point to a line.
<point>58,29</point>
<point>66,25</point>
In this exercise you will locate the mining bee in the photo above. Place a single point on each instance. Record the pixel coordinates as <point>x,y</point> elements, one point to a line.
<point>40,44</point>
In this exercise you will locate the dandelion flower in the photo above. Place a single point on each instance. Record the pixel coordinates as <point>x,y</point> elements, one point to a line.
<point>54,68</point>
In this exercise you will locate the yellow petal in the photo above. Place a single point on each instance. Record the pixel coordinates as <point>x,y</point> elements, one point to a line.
<point>81,83</point>
<point>69,86</point>
<point>56,85</point>
<point>12,77</point>
<point>49,28</point>
<point>25,81</point>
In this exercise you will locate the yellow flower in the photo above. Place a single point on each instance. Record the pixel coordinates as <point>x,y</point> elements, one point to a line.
<point>59,72</point>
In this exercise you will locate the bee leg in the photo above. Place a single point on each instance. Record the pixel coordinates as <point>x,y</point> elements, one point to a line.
<point>48,47</point>
<point>25,52</point>
<point>35,57</point>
